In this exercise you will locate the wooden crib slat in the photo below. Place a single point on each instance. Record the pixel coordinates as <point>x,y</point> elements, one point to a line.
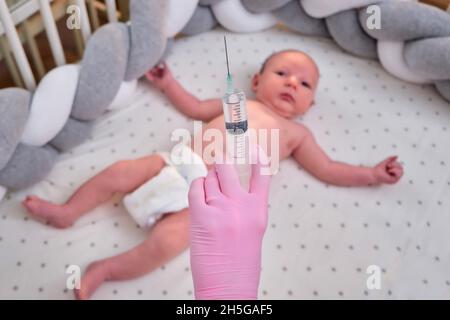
<point>94,15</point>
<point>124,7</point>
<point>78,39</point>
<point>16,46</point>
<point>10,63</point>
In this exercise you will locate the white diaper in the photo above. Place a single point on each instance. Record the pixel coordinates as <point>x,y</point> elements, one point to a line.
<point>167,191</point>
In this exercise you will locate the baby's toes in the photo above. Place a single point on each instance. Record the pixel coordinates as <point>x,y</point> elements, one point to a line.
<point>27,200</point>
<point>33,204</point>
<point>32,198</point>
<point>30,205</point>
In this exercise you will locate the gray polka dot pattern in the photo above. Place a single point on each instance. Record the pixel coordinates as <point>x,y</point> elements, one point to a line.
<point>320,239</point>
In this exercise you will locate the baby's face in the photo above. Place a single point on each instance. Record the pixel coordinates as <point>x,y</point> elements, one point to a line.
<point>288,84</point>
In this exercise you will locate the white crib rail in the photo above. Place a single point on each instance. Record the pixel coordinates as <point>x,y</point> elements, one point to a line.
<point>52,33</point>
<point>85,25</point>
<point>111,10</point>
<point>8,22</point>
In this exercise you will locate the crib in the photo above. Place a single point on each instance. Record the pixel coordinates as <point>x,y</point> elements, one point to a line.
<point>322,241</point>
<point>34,17</point>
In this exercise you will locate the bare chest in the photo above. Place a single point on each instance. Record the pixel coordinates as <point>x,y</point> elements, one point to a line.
<point>271,132</point>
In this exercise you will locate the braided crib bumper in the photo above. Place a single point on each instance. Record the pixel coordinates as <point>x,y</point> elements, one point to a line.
<point>413,44</point>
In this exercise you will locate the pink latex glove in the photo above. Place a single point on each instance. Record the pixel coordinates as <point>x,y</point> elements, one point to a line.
<point>226,231</point>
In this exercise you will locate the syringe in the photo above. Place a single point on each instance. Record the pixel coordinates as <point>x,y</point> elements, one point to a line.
<point>236,125</point>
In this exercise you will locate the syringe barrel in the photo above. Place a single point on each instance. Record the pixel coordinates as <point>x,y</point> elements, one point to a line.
<point>235,112</point>
<point>238,148</point>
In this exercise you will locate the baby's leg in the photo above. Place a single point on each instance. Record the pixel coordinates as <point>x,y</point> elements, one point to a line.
<point>123,176</point>
<point>167,239</point>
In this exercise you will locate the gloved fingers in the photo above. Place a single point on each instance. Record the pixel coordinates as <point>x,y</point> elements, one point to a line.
<point>212,188</point>
<point>260,180</point>
<point>196,196</point>
<point>229,180</point>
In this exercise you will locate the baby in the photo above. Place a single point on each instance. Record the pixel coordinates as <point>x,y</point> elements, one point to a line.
<point>284,88</point>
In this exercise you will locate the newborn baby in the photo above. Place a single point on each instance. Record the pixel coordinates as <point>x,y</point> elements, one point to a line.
<point>284,89</point>
<point>157,188</point>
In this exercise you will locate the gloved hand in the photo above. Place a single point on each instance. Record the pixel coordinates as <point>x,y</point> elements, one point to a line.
<point>226,231</point>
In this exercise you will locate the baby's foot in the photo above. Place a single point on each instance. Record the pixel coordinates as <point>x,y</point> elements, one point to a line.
<point>55,215</point>
<point>96,273</point>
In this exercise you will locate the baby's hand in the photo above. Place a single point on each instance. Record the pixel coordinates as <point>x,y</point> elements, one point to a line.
<point>388,171</point>
<point>160,76</point>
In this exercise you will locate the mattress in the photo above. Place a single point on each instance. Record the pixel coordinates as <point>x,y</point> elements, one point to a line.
<point>321,240</point>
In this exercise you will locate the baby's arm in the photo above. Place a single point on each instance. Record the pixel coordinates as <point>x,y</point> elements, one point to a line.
<point>311,157</point>
<point>185,102</point>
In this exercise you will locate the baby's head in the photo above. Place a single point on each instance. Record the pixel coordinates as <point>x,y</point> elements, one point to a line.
<point>287,83</point>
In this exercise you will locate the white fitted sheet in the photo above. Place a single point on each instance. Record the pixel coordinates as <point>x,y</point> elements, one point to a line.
<point>320,240</point>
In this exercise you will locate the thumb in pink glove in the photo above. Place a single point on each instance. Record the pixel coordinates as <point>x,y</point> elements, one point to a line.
<point>226,231</point>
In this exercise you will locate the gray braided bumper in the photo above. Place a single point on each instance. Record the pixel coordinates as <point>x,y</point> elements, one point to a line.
<point>412,44</point>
